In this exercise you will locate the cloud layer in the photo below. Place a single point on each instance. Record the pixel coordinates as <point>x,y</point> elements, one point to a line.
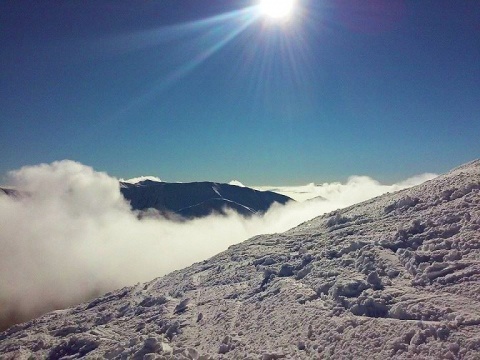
<point>72,235</point>
<point>355,190</point>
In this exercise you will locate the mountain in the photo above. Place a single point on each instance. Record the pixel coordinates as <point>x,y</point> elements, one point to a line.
<point>394,277</point>
<point>9,192</point>
<point>198,199</point>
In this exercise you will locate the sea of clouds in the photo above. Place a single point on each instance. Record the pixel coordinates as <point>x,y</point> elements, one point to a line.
<point>70,234</point>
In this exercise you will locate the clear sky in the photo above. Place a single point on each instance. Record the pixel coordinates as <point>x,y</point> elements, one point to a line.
<point>208,90</point>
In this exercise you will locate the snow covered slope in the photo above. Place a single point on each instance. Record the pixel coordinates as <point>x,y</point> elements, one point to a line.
<point>395,277</point>
<point>198,199</point>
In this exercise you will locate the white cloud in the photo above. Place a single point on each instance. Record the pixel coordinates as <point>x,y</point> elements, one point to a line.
<point>74,235</point>
<point>136,180</point>
<point>355,190</point>
<point>236,183</point>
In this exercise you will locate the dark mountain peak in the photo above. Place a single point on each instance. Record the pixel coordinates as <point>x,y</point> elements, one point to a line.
<point>198,199</point>
<point>9,192</point>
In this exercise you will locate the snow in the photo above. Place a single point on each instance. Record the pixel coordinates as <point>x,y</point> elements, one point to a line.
<point>395,277</point>
<point>215,189</point>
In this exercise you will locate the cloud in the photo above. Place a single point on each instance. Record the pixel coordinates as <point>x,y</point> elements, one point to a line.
<point>141,178</point>
<point>72,235</point>
<point>236,183</point>
<point>355,190</point>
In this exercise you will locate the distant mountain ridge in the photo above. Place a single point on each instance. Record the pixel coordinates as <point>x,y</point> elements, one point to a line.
<point>198,199</point>
<point>192,200</point>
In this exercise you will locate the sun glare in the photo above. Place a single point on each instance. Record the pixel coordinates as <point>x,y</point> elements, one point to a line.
<point>277,9</point>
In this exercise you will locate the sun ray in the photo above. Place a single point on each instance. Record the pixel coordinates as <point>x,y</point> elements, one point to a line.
<point>276,63</point>
<point>204,38</point>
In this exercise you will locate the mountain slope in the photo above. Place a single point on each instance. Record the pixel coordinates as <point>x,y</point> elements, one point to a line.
<point>9,192</point>
<point>198,199</point>
<point>394,277</point>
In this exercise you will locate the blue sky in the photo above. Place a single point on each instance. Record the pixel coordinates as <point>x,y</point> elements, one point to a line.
<point>207,90</point>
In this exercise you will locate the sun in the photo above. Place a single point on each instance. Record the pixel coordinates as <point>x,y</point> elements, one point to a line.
<point>277,9</point>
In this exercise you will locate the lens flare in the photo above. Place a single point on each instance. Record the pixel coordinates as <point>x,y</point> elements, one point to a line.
<point>277,9</point>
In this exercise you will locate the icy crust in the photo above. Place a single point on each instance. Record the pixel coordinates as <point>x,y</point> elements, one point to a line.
<point>395,277</point>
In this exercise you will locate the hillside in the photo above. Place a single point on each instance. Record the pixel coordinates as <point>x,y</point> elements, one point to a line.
<point>198,199</point>
<point>394,277</point>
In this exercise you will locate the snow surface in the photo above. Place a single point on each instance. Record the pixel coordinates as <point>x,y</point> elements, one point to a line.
<point>395,277</point>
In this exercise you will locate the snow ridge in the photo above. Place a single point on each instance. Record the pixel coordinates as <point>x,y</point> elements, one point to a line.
<point>394,277</point>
